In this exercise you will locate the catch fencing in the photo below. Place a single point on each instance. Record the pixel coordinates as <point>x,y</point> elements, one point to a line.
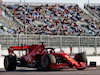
<point>81,43</point>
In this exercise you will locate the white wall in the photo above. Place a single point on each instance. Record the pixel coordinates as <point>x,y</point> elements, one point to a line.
<point>1,62</point>
<point>67,50</point>
<point>94,59</point>
<point>0,50</point>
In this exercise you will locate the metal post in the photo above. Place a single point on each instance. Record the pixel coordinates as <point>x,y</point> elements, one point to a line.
<point>39,39</point>
<point>18,40</point>
<point>79,44</point>
<point>20,1</point>
<point>48,40</point>
<point>95,46</point>
<point>88,2</point>
<point>22,39</point>
<point>26,43</point>
<point>60,43</point>
<point>9,41</point>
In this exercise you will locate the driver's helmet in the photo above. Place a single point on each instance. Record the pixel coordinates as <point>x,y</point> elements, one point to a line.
<point>51,51</point>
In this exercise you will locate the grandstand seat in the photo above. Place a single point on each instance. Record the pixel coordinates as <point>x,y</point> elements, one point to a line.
<point>88,31</point>
<point>76,34</point>
<point>54,17</point>
<point>14,6</point>
<point>49,13</point>
<point>4,33</point>
<point>11,31</point>
<point>70,30</point>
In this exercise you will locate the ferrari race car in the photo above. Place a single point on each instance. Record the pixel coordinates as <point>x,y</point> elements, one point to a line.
<point>42,58</point>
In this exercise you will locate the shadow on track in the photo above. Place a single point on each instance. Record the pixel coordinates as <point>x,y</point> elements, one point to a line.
<point>28,70</point>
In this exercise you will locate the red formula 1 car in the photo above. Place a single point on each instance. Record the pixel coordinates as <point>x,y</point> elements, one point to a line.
<point>42,58</point>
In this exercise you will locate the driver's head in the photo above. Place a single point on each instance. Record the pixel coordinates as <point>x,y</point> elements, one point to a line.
<point>51,51</point>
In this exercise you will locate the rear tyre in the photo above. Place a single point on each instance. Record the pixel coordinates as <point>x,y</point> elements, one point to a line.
<point>10,63</point>
<point>46,61</point>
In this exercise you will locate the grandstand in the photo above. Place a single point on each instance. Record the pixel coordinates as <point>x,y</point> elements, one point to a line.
<point>56,24</point>
<point>52,19</point>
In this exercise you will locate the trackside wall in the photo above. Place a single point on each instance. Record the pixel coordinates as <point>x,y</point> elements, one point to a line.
<point>1,62</point>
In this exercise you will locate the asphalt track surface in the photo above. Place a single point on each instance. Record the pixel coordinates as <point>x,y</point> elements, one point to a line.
<point>30,71</point>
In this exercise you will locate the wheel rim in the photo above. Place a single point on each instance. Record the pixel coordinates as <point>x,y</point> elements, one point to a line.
<point>44,62</point>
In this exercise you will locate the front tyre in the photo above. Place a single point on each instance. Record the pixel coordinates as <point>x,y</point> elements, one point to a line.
<point>46,61</point>
<point>10,63</point>
<point>81,57</point>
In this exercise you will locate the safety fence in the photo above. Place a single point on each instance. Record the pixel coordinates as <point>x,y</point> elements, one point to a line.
<point>87,43</point>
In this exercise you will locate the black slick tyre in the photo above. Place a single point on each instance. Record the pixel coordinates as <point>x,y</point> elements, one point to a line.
<point>10,63</point>
<point>46,61</point>
<point>81,57</point>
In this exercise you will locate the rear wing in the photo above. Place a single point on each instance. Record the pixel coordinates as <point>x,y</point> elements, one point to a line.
<point>17,48</point>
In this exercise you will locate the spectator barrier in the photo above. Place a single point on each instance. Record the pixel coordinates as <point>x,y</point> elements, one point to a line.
<point>88,44</point>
